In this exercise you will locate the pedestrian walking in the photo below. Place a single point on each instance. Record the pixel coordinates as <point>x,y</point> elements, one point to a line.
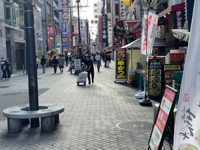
<point>3,69</point>
<point>90,69</point>
<point>43,62</point>
<point>98,61</point>
<point>66,59</point>
<point>7,69</point>
<point>54,64</point>
<point>61,63</point>
<point>37,62</point>
<point>2,64</point>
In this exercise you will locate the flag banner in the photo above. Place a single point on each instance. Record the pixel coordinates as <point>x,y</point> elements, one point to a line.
<point>150,23</point>
<point>187,123</point>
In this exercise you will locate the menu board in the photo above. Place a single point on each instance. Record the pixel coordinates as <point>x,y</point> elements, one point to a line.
<point>155,73</point>
<point>162,119</point>
<point>168,73</point>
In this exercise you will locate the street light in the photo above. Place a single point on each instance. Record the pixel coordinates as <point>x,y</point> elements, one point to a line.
<point>79,32</point>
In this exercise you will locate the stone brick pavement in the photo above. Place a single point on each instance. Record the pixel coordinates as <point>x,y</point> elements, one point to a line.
<point>90,117</point>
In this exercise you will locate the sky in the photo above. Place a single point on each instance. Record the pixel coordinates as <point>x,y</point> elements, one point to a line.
<point>87,13</point>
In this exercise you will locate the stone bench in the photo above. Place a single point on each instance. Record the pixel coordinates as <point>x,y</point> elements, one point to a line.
<point>17,115</point>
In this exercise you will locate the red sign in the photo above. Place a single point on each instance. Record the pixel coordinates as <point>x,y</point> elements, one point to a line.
<point>51,30</point>
<point>162,119</point>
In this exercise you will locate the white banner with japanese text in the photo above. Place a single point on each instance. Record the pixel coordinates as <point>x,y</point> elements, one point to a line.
<point>187,123</point>
<point>150,23</point>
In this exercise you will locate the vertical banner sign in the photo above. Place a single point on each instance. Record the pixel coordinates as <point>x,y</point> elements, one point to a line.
<point>187,123</point>
<point>162,119</point>
<point>105,30</point>
<point>121,65</point>
<point>150,22</point>
<point>64,36</point>
<point>65,14</point>
<point>100,30</point>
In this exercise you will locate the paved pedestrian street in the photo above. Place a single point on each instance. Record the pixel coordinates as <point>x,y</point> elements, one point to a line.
<point>101,116</point>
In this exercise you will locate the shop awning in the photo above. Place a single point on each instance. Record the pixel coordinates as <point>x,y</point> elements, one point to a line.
<point>181,34</point>
<point>177,7</point>
<point>157,43</point>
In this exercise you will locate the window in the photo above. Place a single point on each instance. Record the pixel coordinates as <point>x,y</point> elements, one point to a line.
<point>48,8</point>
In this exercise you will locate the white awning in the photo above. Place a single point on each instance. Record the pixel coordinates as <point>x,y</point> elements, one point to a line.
<point>181,34</point>
<point>157,43</point>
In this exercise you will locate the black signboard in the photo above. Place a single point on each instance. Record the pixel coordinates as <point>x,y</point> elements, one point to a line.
<point>105,30</point>
<point>155,77</point>
<point>120,66</point>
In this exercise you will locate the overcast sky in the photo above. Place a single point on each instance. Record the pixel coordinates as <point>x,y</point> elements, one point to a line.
<point>87,13</point>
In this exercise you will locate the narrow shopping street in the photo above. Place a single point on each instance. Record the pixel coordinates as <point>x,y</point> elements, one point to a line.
<point>101,116</point>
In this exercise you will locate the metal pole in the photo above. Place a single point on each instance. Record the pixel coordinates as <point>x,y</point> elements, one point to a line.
<point>44,28</point>
<point>70,27</point>
<point>79,31</point>
<point>31,59</point>
<point>87,23</point>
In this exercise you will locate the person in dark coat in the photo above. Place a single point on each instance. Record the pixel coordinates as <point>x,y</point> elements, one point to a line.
<point>43,62</point>
<point>90,69</point>
<point>66,59</point>
<point>54,64</point>
<point>7,69</point>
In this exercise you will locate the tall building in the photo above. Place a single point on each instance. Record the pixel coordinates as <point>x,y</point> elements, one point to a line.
<point>13,35</point>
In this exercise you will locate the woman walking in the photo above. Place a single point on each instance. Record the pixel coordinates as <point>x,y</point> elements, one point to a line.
<point>7,69</point>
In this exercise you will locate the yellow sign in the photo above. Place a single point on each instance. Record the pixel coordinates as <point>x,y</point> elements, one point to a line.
<point>127,2</point>
<point>172,67</point>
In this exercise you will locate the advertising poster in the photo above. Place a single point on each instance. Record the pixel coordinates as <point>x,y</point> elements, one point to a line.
<point>187,123</point>
<point>163,117</point>
<point>121,65</point>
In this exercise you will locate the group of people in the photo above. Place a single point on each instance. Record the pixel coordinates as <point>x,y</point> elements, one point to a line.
<point>55,63</point>
<point>5,68</point>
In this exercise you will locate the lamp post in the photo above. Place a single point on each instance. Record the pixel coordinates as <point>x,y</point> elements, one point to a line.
<point>79,32</point>
<point>31,59</point>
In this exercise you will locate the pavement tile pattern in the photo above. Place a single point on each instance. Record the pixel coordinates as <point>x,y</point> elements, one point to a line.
<point>91,114</point>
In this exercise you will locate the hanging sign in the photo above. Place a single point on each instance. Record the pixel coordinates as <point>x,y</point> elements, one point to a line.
<point>150,22</point>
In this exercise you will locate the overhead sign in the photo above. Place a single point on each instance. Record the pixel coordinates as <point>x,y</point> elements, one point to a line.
<point>149,3</point>
<point>187,128</point>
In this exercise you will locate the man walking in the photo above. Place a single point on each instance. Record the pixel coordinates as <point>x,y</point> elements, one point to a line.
<point>90,69</point>
<point>55,64</point>
<point>61,63</point>
<point>43,62</point>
